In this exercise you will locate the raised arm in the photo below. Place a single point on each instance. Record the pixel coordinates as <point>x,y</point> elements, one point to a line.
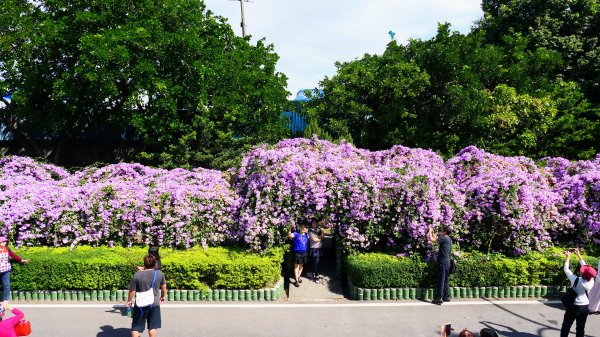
<point>314,237</point>
<point>18,315</point>
<point>566,268</point>
<point>581,262</point>
<point>432,237</point>
<point>290,234</point>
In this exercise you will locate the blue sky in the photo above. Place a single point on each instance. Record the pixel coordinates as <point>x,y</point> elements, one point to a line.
<point>311,35</point>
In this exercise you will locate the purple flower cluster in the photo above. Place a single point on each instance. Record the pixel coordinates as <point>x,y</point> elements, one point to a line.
<point>510,205</point>
<point>371,199</point>
<point>578,185</point>
<point>117,204</point>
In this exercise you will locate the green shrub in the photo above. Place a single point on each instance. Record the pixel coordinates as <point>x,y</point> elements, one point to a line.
<point>474,269</point>
<point>113,268</point>
<point>377,270</point>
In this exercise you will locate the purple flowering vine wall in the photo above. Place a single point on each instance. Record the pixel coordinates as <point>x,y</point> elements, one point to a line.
<point>385,199</point>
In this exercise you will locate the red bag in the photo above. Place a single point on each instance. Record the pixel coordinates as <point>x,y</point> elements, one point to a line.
<point>23,328</point>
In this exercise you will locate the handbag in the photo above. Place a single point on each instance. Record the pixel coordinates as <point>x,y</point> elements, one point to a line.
<point>146,298</point>
<point>23,328</point>
<point>568,298</point>
<point>452,266</point>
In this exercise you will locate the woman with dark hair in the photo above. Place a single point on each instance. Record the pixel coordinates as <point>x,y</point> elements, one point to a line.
<point>153,250</point>
<point>578,312</point>
<point>7,326</point>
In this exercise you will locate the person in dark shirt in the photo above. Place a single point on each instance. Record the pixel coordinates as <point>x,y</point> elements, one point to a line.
<point>315,242</point>
<point>443,259</point>
<point>145,280</point>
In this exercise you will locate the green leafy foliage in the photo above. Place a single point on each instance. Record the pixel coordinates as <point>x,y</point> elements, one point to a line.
<point>507,95</point>
<point>169,75</point>
<point>112,268</point>
<point>474,269</point>
<point>377,270</point>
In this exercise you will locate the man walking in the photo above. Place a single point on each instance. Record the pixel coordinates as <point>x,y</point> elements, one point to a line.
<point>443,271</point>
<point>151,282</point>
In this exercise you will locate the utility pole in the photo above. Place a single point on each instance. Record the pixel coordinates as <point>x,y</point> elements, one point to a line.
<point>243,24</point>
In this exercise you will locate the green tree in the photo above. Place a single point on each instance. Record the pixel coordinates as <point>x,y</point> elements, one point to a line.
<point>456,90</point>
<point>372,99</point>
<point>170,73</point>
<point>570,28</point>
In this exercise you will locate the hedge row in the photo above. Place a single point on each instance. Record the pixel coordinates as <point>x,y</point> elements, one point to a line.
<point>94,268</point>
<point>377,270</point>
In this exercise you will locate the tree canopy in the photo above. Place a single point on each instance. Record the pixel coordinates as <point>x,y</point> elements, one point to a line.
<point>517,84</point>
<point>169,74</point>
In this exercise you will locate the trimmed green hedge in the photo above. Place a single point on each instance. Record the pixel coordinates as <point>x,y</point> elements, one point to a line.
<point>88,268</point>
<point>377,270</point>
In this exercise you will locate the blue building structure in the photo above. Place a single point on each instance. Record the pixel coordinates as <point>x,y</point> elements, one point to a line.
<point>298,118</point>
<point>3,133</point>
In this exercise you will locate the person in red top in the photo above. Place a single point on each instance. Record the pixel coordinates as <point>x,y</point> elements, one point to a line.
<point>7,326</point>
<point>5,267</point>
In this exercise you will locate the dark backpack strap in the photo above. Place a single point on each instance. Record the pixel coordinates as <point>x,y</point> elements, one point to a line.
<point>575,285</point>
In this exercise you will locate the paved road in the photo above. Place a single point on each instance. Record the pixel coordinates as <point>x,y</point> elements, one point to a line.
<point>330,319</point>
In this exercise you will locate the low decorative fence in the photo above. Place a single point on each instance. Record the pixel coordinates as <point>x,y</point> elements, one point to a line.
<point>173,295</point>
<point>508,292</point>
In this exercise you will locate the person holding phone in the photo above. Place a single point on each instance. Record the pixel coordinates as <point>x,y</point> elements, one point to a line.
<point>443,259</point>
<point>446,330</point>
<point>579,312</point>
<point>300,238</point>
<point>7,326</point>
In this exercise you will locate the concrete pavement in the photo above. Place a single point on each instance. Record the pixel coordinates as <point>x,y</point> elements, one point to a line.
<point>331,319</point>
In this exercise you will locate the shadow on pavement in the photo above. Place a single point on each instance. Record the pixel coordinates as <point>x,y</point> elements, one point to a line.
<point>110,331</point>
<point>511,332</point>
<point>122,310</point>
<point>506,331</point>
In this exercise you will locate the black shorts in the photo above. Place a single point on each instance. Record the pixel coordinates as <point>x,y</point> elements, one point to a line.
<point>300,258</point>
<point>141,316</point>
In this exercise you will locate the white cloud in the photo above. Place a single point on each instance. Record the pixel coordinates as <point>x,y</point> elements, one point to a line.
<point>311,35</point>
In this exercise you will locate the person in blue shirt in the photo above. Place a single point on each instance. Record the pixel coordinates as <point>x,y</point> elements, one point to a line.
<point>300,238</point>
